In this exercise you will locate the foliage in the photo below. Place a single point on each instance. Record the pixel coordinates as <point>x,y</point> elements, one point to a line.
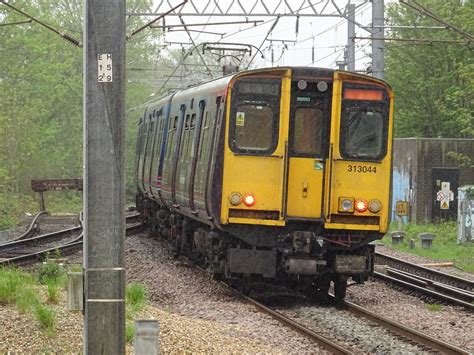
<point>51,272</point>
<point>45,316</point>
<point>135,297</point>
<point>433,83</point>
<point>462,159</point>
<point>41,107</point>
<point>444,246</point>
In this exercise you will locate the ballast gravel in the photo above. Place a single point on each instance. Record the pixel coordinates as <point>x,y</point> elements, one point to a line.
<point>183,290</point>
<point>196,314</point>
<point>352,332</point>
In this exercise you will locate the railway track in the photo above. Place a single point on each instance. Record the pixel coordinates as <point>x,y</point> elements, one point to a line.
<point>65,241</point>
<point>32,229</point>
<point>408,335</point>
<point>322,341</point>
<point>413,335</point>
<point>432,283</point>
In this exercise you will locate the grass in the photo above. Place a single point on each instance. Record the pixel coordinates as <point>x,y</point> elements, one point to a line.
<point>12,281</point>
<point>20,288</point>
<point>26,299</point>
<point>129,331</point>
<point>434,307</point>
<point>135,297</point>
<point>444,245</point>
<point>53,291</point>
<point>45,316</point>
<point>52,272</point>
<point>135,301</point>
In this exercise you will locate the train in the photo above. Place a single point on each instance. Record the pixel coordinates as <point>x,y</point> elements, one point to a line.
<point>275,174</point>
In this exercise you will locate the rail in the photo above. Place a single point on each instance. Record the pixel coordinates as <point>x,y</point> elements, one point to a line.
<point>435,275</point>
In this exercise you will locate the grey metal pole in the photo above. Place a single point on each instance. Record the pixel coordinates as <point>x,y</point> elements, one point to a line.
<point>350,37</point>
<point>378,38</point>
<point>104,188</point>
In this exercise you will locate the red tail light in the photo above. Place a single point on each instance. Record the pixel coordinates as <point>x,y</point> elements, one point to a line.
<point>249,200</point>
<point>361,205</point>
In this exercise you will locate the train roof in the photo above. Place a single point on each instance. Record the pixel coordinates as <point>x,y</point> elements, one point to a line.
<point>222,82</point>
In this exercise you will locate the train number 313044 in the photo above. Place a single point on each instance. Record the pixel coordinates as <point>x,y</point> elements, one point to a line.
<point>361,169</point>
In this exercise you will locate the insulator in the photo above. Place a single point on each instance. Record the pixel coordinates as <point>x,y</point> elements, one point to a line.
<point>71,40</point>
<point>297,25</point>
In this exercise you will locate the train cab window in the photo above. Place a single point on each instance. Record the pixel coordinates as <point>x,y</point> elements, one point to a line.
<point>364,123</point>
<point>307,132</point>
<point>254,117</point>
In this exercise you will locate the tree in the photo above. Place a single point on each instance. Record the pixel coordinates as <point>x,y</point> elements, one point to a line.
<point>433,83</point>
<point>41,89</point>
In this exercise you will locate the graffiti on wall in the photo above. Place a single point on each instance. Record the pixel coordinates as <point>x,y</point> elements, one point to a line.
<point>401,191</point>
<point>465,215</point>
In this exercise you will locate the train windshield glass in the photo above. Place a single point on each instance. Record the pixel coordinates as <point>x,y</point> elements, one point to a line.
<point>364,123</point>
<point>254,115</point>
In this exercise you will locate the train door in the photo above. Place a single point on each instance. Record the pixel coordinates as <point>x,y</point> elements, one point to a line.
<point>309,120</point>
<point>149,152</point>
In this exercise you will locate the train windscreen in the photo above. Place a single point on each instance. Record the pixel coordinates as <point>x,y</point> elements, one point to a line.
<point>364,122</point>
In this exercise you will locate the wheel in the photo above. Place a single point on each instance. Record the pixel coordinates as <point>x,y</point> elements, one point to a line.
<point>322,294</point>
<point>340,287</point>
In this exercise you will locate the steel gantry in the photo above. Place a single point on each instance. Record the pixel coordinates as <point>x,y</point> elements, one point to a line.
<point>260,8</point>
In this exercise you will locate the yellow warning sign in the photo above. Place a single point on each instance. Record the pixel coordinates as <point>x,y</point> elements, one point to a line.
<point>240,119</point>
<point>402,208</point>
<point>445,205</point>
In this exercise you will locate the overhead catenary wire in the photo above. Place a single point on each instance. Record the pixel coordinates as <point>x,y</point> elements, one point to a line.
<point>63,35</point>
<point>425,11</point>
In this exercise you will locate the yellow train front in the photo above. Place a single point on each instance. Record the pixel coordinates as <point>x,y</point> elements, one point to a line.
<point>273,173</point>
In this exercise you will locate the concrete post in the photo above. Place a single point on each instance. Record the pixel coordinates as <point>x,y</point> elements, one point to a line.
<point>75,291</point>
<point>104,183</point>
<point>378,38</point>
<point>41,201</point>
<point>397,237</point>
<point>426,240</point>
<point>350,37</point>
<point>145,341</point>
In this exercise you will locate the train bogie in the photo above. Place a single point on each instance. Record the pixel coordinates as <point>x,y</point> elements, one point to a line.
<point>277,173</point>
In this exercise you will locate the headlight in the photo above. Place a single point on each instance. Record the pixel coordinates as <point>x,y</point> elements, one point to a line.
<point>375,206</point>
<point>346,204</point>
<point>235,199</point>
